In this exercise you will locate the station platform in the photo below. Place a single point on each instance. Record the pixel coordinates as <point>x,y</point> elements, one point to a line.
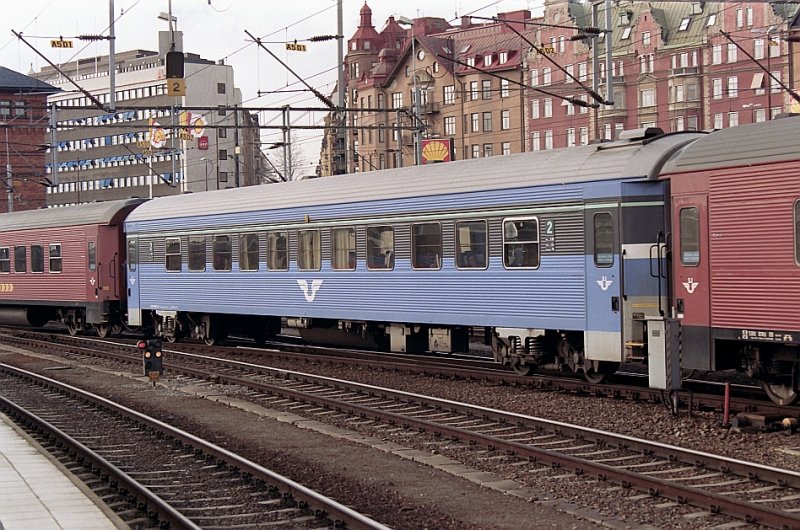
<point>36,492</point>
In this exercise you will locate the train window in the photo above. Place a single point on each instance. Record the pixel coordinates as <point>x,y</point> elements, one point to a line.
<point>133,256</point>
<point>426,246</point>
<point>471,245</point>
<point>5,260</point>
<point>343,249</point>
<point>37,258</point>
<point>54,253</point>
<point>20,259</point>
<point>172,254</point>
<point>690,236</point>
<point>196,258</point>
<point>308,250</point>
<point>521,243</point>
<point>380,247</point>
<point>277,251</point>
<point>91,254</point>
<point>223,258</point>
<point>248,252</point>
<point>603,239</point>
<point>796,232</point>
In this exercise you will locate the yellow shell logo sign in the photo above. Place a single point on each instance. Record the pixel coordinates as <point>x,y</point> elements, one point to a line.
<point>6,287</point>
<point>435,151</point>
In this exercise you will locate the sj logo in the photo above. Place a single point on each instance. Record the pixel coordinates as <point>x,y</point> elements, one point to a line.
<point>310,293</point>
<point>690,285</point>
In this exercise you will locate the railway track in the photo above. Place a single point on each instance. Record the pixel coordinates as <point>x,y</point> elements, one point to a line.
<point>167,476</point>
<point>698,395</point>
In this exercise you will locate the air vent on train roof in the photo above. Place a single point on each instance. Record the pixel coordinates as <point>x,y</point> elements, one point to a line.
<point>640,134</point>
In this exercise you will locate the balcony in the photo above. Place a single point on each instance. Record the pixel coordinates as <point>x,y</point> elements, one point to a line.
<point>685,70</point>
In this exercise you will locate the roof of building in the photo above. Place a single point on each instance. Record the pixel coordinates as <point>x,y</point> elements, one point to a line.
<point>11,81</point>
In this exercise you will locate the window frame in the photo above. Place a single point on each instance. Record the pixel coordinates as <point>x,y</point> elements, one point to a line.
<point>24,255</point>
<point>352,251</point>
<point>459,253</point>
<point>797,232</point>
<point>218,252</point>
<point>438,256</point>
<point>37,266</point>
<point>5,260</point>
<point>682,244</point>
<point>246,252</point>
<point>274,254</point>
<point>370,243</point>
<point>91,255</point>
<point>316,250</point>
<point>133,255</point>
<point>506,243</point>
<point>595,238</point>
<point>193,243</point>
<point>167,255</point>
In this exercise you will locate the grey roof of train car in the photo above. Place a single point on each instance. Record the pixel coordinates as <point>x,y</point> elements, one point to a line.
<point>757,143</point>
<point>82,214</point>
<point>569,165</point>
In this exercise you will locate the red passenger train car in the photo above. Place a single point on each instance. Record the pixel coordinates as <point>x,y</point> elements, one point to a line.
<point>65,264</point>
<point>736,252</point>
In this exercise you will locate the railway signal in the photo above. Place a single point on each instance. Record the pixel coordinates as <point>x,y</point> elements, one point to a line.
<point>153,358</point>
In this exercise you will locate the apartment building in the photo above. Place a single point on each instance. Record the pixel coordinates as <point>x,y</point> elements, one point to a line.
<point>152,143</point>
<point>487,88</point>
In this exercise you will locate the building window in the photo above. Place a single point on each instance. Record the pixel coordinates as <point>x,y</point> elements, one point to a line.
<point>488,150</point>
<point>196,259</point>
<point>733,119</point>
<point>521,243</point>
<point>504,88</point>
<point>690,236</point>
<point>684,24</point>
<point>343,249</point>
<point>486,89</point>
<point>758,49</point>
<point>220,88</point>
<point>308,250</point>
<point>570,137</point>
<point>476,151</point>
<point>548,108</point>
<point>535,141</point>
<point>505,120</point>
<point>534,77</point>
<point>548,139</point>
<point>380,247</point>
<point>475,122</point>
<point>397,100</point>
<point>645,38</point>
<point>506,148</point>
<point>732,53</point>
<point>223,176</point>
<point>647,97</point>
<point>277,251</point>
<point>534,109</point>
<point>473,90</point>
<point>449,95</point>
<point>546,76</point>
<point>718,121</point>
<point>603,240</point>
<point>471,245</point>
<point>426,246</point>
<point>450,126</point>
<point>584,132</point>
<point>487,122</point>
<point>716,88</point>
<point>733,87</point>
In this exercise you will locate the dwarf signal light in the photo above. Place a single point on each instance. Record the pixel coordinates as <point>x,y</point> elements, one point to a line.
<point>153,359</point>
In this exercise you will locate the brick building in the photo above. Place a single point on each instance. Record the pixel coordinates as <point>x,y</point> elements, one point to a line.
<point>504,86</point>
<point>24,120</point>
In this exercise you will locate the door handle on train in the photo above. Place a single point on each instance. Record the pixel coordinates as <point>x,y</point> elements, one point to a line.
<point>679,306</point>
<point>615,304</point>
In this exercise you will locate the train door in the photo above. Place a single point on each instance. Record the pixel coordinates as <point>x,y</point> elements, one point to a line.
<point>691,287</point>
<point>603,339</point>
<point>132,282</point>
<point>93,287</point>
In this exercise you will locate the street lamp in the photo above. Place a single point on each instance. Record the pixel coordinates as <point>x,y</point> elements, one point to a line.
<point>205,159</point>
<point>417,111</point>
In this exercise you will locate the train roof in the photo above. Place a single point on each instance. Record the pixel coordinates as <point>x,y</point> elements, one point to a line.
<point>757,143</point>
<point>609,160</point>
<point>99,213</point>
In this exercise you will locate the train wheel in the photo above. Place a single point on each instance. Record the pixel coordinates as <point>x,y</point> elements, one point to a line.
<point>781,394</point>
<point>72,328</point>
<point>210,340</point>
<point>522,369</point>
<point>103,330</point>
<point>595,372</point>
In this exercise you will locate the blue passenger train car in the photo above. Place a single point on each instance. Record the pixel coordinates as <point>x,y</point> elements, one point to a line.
<point>558,255</point>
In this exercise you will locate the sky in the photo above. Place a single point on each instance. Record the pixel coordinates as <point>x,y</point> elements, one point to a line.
<point>215,29</point>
